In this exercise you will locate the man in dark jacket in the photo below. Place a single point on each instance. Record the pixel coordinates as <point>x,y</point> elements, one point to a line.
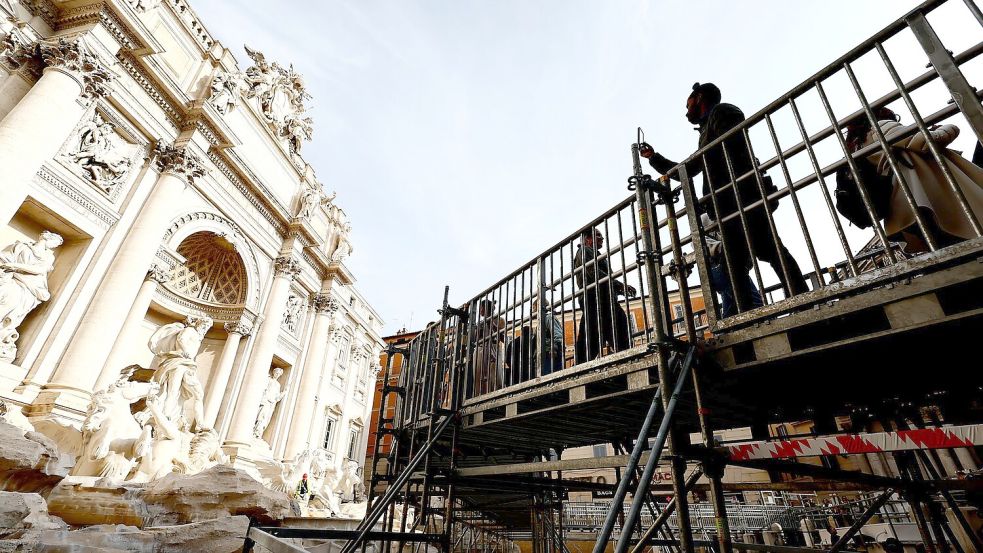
<point>603,323</point>
<point>703,108</point>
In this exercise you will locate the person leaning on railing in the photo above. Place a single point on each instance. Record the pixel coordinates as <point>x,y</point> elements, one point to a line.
<point>933,195</point>
<point>704,108</point>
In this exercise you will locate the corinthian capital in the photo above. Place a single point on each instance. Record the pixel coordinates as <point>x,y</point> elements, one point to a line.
<point>286,266</point>
<point>178,161</point>
<point>68,55</point>
<point>324,304</point>
<point>72,56</point>
<point>158,274</point>
<point>240,328</point>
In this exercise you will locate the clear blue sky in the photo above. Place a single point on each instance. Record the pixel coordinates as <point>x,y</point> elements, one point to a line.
<point>465,136</point>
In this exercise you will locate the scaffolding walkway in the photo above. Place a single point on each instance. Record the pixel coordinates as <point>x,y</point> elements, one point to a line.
<point>626,316</point>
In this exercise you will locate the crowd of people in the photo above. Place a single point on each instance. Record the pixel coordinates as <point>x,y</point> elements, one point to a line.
<point>738,225</point>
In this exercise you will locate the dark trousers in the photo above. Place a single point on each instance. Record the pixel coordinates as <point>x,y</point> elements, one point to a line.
<point>602,322</point>
<point>766,249</point>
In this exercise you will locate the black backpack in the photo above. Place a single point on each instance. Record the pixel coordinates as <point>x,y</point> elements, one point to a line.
<point>848,200</point>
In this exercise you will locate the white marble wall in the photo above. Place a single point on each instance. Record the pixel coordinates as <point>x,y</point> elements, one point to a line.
<point>163,135</point>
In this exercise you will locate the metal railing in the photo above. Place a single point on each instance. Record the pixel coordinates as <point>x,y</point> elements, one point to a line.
<point>587,297</point>
<point>743,517</point>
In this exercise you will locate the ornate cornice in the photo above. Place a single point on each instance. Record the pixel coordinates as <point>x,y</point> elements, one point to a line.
<point>98,14</point>
<point>190,20</point>
<point>286,266</point>
<point>43,9</point>
<point>105,216</point>
<point>139,75</point>
<point>241,328</point>
<point>178,161</point>
<point>254,199</point>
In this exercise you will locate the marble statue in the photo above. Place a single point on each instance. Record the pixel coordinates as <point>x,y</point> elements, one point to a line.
<point>179,395</point>
<point>297,130</point>
<point>342,251</point>
<point>24,268</point>
<point>204,451</point>
<point>143,6</point>
<point>311,198</point>
<point>291,315</point>
<point>321,499</point>
<point>271,396</point>
<point>350,484</point>
<point>98,155</point>
<point>282,96</point>
<point>225,89</point>
<point>110,443</point>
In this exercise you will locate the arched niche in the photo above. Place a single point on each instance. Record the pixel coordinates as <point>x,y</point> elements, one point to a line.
<point>216,271</point>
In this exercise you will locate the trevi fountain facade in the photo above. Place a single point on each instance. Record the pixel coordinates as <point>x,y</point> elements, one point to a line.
<point>176,314</point>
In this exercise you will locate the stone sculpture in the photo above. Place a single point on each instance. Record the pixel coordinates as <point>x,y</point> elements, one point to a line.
<point>180,394</point>
<point>98,154</point>
<point>175,401</point>
<point>297,130</point>
<point>350,485</point>
<point>271,396</point>
<point>281,93</point>
<point>311,198</point>
<point>24,268</point>
<point>225,92</point>
<point>111,435</point>
<point>291,315</point>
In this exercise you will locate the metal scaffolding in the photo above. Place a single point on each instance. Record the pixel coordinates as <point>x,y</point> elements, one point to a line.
<point>616,335</point>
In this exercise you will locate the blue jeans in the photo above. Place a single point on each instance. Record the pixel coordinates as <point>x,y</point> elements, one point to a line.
<point>721,284</point>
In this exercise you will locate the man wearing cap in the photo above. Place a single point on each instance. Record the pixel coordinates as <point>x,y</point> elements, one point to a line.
<point>714,119</point>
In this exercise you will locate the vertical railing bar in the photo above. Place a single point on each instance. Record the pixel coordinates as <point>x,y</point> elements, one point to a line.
<point>792,194</point>
<point>541,321</point>
<point>767,210</point>
<point>975,10</point>
<point>641,277</point>
<point>963,94</point>
<point>597,296</point>
<point>891,159</point>
<point>728,258</point>
<point>698,239</point>
<point>932,146</point>
<point>821,182</point>
<point>852,164</point>
<point>744,226</point>
<point>628,313</point>
<point>612,293</point>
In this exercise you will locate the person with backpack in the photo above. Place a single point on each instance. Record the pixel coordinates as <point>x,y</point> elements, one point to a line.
<point>704,108</point>
<point>936,201</point>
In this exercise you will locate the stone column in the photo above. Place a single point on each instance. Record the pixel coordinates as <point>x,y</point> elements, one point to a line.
<point>34,130</point>
<point>223,369</point>
<point>247,406</point>
<point>298,434</point>
<point>102,322</point>
<point>138,311</point>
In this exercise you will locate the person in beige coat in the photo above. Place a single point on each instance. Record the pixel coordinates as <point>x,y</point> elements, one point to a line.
<point>934,196</point>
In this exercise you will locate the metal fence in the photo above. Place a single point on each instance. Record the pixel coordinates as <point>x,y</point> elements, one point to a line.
<point>742,517</point>
<point>767,199</point>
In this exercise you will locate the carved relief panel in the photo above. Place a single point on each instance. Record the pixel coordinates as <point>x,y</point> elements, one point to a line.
<point>101,152</point>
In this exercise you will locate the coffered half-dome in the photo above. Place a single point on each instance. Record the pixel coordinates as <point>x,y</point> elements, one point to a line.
<point>212,270</point>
